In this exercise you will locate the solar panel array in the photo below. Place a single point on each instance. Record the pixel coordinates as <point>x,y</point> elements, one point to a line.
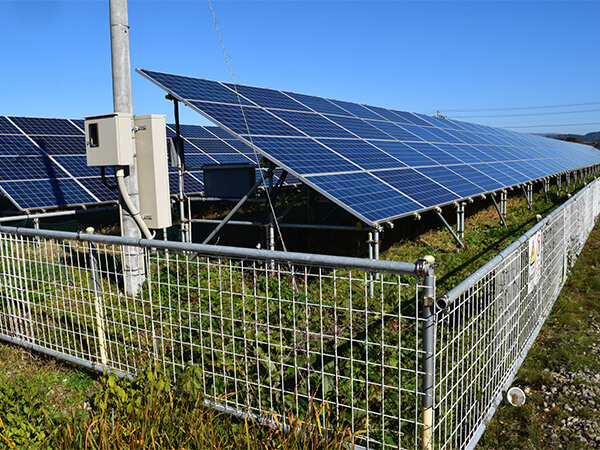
<point>43,164</point>
<point>43,161</point>
<point>377,163</point>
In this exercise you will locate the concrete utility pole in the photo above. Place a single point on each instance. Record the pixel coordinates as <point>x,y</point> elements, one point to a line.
<point>133,261</point>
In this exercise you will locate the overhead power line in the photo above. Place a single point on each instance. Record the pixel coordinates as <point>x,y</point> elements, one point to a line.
<point>528,114</point>
<point>520,108</point>
<point>552,126</point>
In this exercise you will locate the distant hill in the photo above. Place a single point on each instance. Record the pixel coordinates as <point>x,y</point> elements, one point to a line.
<point>592,138</point>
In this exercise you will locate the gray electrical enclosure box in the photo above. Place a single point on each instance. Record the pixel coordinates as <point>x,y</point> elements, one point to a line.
<point>228,180</point>
<point>153,170</point>
<point>109,140</point>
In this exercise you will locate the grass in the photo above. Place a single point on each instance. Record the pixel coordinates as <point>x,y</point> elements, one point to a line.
<point>484,237</point>
<point>568,343</point>
<point>87,411</point>
<point>48,404</point>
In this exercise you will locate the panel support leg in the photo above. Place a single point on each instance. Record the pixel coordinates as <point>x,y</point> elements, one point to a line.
<point>498,210</point>
<point>546,187</point>
<point>526,193</point>
<point>558,185</point>
<point>460,219</point>
<point>503,198</point>
<point>459,243</point>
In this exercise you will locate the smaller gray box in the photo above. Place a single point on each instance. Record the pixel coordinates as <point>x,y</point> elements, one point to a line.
<point>228,180</point>
<point>109,140</point>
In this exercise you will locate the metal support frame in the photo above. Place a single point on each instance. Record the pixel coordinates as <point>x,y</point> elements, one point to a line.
<point>428,359</point>
<point>373,242</point>
<point>558,184</point>
<point>438,211</point>
<point>546,187</point>
<point>183,220</point>
<point>526,193</point>
<point>568,181</point>
<point>460,219</point>
<point>502,221</point>
<point>239,204</point>
<point>306,226</point>
<point>503,201</point>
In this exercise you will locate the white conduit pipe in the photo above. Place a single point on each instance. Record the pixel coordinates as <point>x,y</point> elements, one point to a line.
<point>120,176</point>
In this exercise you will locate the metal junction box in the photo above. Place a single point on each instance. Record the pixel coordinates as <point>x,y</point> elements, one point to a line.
<point>109,140</point>
<point>153,170</point>
<point>228,180</point>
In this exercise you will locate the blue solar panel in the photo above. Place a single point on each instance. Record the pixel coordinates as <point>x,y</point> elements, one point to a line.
<point>42,126</point>
<point>357,110</point>
<point>433,152</point>
<point>446,177</point>
<point>339,147</point>
<point>55,161</point>
<point>305,155</point>
<point>268,98</point>
<point>61,145</point>
<point>13,145</point>
<point>42,193</point>
<point>417,186</point>
<point>360,128</point>
<point>313,124</point>
<point>362,153</point>
<point>366,195</point>
<point>251,120</point>
<point>403,152</point>
<point>395,131</point>
<point>486,183</point>
<point>7,128</point>
<point>318,104</point>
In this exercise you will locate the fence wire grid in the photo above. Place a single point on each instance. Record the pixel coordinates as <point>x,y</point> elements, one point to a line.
<point>270,335</point>
<point>275,333</point>
<point>489,322</point>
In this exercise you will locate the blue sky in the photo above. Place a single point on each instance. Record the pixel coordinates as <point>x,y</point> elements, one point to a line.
<point>480,61</point>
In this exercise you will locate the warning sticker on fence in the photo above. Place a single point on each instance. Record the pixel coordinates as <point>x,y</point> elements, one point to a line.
<point>535,260</point>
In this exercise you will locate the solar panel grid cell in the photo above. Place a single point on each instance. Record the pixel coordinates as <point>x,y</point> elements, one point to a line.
<point>446,177</point>
<point>42,126</point>
<point>268,98</point>
<point>360,128</point>
<point>367,195</point>
<point>362,153</point>
<point>417,186</point>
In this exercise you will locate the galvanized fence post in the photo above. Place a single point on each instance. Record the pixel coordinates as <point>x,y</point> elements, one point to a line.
<point>98,304</point>
<point>425,267</point>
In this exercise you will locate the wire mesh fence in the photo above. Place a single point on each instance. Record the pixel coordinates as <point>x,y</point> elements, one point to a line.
<point>272,334</point>
<point>276,333</point>
<point>489,321</point>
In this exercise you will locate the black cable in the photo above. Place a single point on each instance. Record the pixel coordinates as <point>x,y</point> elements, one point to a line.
<point>520,108</point>
<point>549,126</point>
<point>104,182</point>
<point>527,114</point>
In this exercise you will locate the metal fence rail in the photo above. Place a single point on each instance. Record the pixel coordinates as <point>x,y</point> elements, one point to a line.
<point>489,322</point>
<point>272,331</point>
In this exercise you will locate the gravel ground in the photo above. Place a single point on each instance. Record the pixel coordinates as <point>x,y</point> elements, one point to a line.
<point>578,394</point>
<point>573,400</point>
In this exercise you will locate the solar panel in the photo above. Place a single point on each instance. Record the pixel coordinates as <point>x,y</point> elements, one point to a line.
<point>377,163</point>
<point>43,162</point>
